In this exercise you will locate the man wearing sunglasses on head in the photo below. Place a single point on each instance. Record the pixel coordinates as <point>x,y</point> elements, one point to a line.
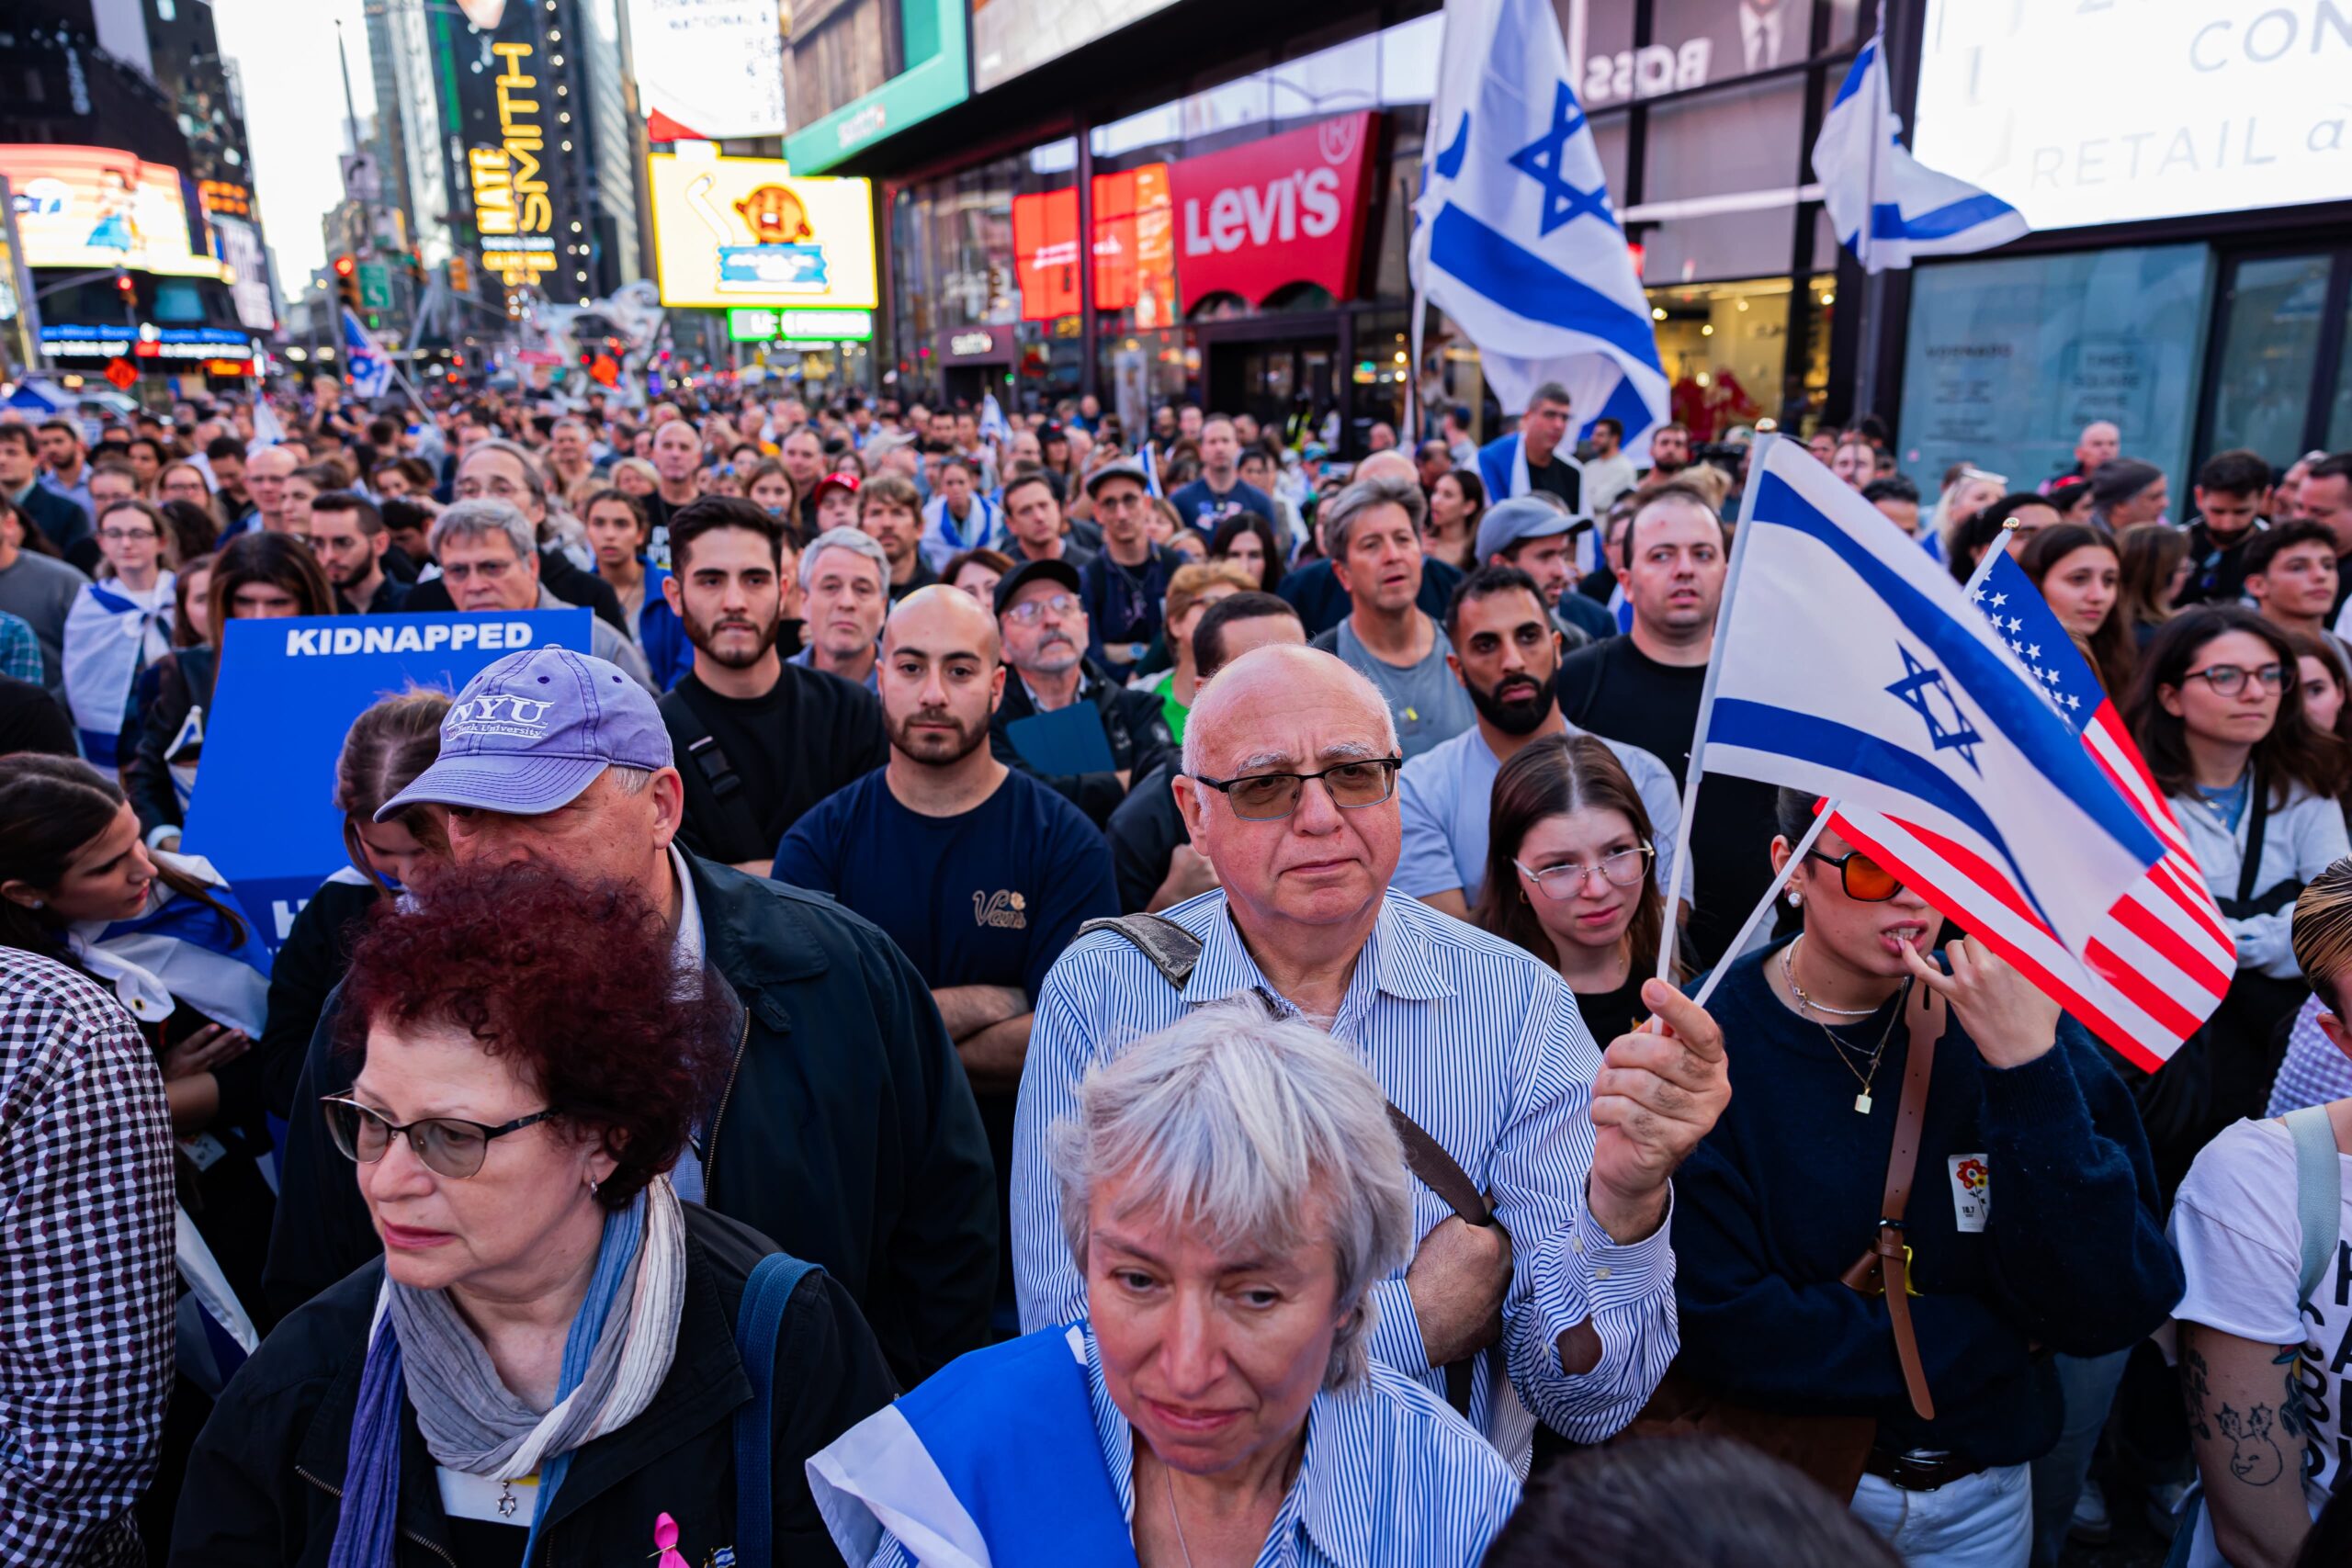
<point>2029,1222</point>
<point>1556,1298</point>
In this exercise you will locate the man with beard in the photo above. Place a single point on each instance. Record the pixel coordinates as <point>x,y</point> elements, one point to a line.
<point>348,535</point>
<point>981,874</point>
<point>1505,653</point>
<point>1669,454</point>
<point>759,740</point>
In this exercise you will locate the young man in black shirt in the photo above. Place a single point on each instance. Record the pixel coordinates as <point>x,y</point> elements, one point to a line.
<point>2233,492</point>
<point>1644,689</point>
<point>759,741</point>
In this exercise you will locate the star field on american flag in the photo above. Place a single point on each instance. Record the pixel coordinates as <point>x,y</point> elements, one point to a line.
<point>2022,618</point>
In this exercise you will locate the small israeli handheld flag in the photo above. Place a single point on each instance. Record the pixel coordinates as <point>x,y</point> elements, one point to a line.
<point>1515,237</point>
<point>1887,206</point>
<point>364,364</point>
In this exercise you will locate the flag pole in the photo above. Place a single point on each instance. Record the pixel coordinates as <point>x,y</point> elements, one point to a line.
<point>1707,694</point>
<point>1821,819</point>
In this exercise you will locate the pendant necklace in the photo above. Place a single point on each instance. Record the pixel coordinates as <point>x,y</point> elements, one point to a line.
<point>1840,1048</point>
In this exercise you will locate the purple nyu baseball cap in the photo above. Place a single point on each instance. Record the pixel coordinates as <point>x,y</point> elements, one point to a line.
<point>532,730</point>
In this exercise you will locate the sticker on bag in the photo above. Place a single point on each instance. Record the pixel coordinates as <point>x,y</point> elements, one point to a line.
<point>1971,1191</point>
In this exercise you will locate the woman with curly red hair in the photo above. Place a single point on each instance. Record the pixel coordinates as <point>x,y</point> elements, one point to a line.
<point>549,1328</point>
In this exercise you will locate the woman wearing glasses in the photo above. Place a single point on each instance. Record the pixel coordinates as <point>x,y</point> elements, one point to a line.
<point>2219,716</point>
<point>2031,1222</point>
<point>118,625</point>
<point>1568,859</point>
<point>544,1364</point>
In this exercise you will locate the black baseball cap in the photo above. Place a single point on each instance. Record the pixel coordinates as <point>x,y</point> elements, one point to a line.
<point>1030,571</point>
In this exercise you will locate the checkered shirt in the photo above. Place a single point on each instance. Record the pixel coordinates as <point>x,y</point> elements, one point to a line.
<point>87,1275</point>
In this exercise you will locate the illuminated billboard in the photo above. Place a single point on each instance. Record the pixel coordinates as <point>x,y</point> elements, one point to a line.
<point>512,212</point>
<point>862,70</point>
<point>707,68</point>
<point>731,231</point>
<point>95,207</point>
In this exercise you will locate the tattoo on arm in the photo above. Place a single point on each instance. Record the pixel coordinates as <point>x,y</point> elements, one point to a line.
<point>2193,1387</point>
<point>2254,1458</point>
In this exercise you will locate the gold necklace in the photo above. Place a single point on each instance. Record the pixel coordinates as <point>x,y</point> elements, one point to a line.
<point>1839,1047</point>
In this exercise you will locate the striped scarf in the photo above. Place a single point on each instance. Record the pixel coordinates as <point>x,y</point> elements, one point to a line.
<point>619,1351</point>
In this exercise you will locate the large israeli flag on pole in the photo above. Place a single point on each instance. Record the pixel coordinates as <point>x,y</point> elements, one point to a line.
<point>1888,207</point>
<point>1515,238</point>
<point>364,364</point>
<point>1850,665</point>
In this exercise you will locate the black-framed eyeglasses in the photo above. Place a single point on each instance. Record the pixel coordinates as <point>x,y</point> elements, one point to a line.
<point>1624,869</point>
<point>1270,797</point>
<point>1865,881</point>
<point>449,1145</point>
<point>2228,680</point>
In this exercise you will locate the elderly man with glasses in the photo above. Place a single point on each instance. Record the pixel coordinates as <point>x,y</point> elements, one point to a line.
<point>489,563</point>
<point>1557,1296</point>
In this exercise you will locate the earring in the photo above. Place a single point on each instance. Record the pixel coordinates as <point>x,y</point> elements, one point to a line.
<point>39,903</point>
<point>594,1187</point>
<point>1795,900</point>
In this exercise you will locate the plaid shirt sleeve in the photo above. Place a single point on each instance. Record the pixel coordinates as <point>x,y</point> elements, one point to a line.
<point>20,649</point>
<point>86,1273</point>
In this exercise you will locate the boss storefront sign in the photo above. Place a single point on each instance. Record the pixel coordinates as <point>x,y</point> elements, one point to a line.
<point>1258,219</point>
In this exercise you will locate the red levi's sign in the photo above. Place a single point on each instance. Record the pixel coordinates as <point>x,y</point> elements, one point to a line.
<point>1255,218</point>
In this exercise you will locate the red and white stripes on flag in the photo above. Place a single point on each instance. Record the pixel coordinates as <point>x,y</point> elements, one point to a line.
<point>2156,968</point>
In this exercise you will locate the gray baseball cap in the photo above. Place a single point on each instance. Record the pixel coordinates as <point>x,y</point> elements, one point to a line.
<point>1124,468</point>
<point>532,730</point>
<point>1522,517</point>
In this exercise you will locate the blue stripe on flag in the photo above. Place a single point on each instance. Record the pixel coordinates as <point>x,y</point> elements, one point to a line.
<point>1887,221</point>
<point>1993,683</point>
<point>1526,284</point>
<point>1759,726</point>
<point>1854,76</point>
<point>1626,406</point>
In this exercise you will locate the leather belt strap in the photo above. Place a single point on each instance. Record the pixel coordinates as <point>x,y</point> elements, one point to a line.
<point>1885,1267</point>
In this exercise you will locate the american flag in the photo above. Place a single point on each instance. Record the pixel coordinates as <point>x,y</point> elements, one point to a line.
<point>2156,968</point>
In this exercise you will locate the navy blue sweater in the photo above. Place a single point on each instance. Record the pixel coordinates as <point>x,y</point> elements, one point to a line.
<point>1783,1197</point>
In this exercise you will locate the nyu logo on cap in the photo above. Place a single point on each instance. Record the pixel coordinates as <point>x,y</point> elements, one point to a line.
<point>532,730</point>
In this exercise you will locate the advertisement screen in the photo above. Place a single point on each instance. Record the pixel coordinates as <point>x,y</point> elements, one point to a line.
<point>2194,106</point>
<point>1010,36</point>
<point>93,207</point>
<point>861,70</point>
<point>1135,257</point>
<point>746,232</point>
<point>248,270</point>
<point>707,68</point>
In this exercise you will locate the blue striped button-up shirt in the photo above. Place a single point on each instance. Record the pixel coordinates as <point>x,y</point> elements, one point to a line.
<point>1390,1476</point>
<point>1480,1043</point>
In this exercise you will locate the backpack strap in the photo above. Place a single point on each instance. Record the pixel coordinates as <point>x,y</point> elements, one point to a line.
<point>693,739</point>
<point>765,1295</point>
<point>1173,951</point>
<point>2319,1191</point>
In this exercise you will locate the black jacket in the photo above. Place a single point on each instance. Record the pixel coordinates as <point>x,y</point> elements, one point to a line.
<point>265,1484</point>
<point>182,681</point>
<point>302,974</point>
<point>65,522</point>
<point>557,575</point>
<point>845,1130</point>
<point>1133,721</point>
<point>1144,833</point>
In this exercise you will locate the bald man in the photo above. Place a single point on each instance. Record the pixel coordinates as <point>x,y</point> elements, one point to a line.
<point>980,873</point>
<point>266,472</point>
<point>1289,791</point>
<point>1314,589</point>
<point>2100,442</point>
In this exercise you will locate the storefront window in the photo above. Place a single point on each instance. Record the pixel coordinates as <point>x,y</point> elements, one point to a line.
<point>2270,328</point>
<point>1723,170</point>
<point>2007,360</point>
<point>978,250</point>
<point>1723,345</point>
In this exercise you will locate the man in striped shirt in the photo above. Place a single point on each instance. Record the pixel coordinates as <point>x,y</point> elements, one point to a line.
<point>1288,789</point>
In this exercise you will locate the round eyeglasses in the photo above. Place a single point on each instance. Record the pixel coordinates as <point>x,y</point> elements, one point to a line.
<point>1624,869</point>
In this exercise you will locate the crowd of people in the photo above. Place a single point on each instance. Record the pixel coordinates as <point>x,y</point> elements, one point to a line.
<point>1039,991</point>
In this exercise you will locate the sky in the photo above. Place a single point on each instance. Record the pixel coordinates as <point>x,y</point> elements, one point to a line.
<point>294,116</point>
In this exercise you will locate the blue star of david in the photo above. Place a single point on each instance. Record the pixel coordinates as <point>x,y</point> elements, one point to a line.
<point>1541,159</point>
<point>1925,691</point>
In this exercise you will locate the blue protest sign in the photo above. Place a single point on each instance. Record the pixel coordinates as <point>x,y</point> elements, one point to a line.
<point>262,809</point>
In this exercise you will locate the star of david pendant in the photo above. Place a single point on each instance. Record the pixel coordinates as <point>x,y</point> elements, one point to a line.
<point>507,1499</point>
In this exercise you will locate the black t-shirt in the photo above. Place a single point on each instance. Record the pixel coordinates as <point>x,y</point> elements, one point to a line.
<point>1562,479</point>
<point>30,720</point>
<point>810,735</point>
<point>1616,690</point>
<point>1615,1012</point>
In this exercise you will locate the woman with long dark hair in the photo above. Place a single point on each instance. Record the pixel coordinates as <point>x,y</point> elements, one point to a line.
<point>1568,859</point>
<point>2219,716</point>
<point>255,576</point>
<point>2078,572</point>
<point>1456,502</point>
<point>2156,567</point>
<point>1249,539</point>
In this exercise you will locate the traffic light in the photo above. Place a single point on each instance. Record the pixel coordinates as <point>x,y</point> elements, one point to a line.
<point>125,288</point>
<point>461,275</point>
<point>346,282</point>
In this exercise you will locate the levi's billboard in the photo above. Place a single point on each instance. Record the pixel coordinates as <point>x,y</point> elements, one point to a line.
<point>1257,218</point>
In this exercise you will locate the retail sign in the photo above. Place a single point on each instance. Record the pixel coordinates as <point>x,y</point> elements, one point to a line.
<point>148,341</point>
<point>1134,249</point>
<point>707,68</point>
<point>513,211</point>
<point>223,198</point>
<point>97,207</point>
<point>1261,217</point>
<point>2195,106</point>
<point>731,231</point>
<point>1694,43</point>
<point>964,345</point>
<point>758,324</point>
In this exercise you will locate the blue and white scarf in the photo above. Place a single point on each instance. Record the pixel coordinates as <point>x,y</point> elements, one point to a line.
<point>181,949</point>
<point>111,634</point>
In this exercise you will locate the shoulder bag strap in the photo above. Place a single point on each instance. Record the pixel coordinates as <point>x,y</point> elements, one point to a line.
<point>2250,863</point>
<point>694,739</point>
<point>765,1295</point>
<point>1887,1265</point>
<point>2319,1191</point>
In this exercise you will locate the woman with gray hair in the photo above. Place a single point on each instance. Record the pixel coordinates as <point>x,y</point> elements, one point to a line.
<point>1232,1189</point>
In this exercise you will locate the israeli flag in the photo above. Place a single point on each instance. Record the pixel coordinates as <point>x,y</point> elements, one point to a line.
<point>1887,206</point>
<point>1848,665</point>
<point>364,365</point>
<point>1515,238</point>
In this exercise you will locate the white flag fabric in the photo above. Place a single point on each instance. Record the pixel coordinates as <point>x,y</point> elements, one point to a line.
<point>364,364</point>
<point>1886,205</point>
<point>1515,238</point>
<point>1852,666</point>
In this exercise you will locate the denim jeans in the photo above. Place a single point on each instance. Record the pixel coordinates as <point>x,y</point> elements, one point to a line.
<point>1984,1520</point>
<point>2088,1384</point>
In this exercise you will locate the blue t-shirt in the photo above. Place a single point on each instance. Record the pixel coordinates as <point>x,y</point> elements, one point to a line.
<point>989,897</point>
<point>1204,508</point>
